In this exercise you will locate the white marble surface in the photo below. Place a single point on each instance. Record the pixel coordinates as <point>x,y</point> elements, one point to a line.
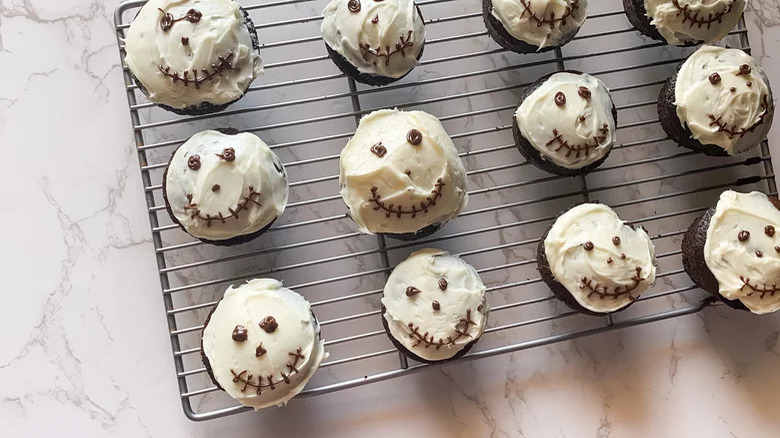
<point>84,351</point>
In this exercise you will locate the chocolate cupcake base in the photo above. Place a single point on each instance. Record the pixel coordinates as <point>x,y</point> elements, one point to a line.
<point>206,107</point>
<point>533,155</point>
<point>695,264</point>
<point>673,126</point>
<point>415,357</point>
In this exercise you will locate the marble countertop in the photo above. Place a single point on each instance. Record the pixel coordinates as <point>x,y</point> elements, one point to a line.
<point>83,352</point>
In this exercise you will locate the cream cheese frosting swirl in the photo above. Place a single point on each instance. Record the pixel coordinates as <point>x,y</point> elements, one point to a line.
<point>683,22</point>
<point>401,172</point>
<point>435,304</point>
<point>185,52</point>
<point>378,37</point>
<point>541,23</point>
<point>723,96</point>
<point>742,250</point>
<point>262,343</point>
<point>604,263</point>
<point>569,120</point>
<point>220,186</point>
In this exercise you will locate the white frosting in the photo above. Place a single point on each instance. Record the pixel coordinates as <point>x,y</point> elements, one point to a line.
<point>398,30</point>
<point>741,273</point>
<point>220,32</point>
<point>412,320</point>
<point>541,23</point>
<point>694,21</point>
<point>255,166</point>
<point>297,333</point>
<point>734,120</point>
<point>436,178</point>
<point>559,133</point>
<point>596,283</point>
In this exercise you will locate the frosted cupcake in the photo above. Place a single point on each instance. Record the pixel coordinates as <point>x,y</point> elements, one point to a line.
<point>733,251</point>
<point>684,22</point>
<point>375,42</point>
<point>401,175</point>
<point>565,123</point>
<point>193,56</point>
<point>526,26</point>
<point>261,344</point>
<point>594,262</point>
<point>224,187</point>
<point>434,306</point>
<point>719,102</point>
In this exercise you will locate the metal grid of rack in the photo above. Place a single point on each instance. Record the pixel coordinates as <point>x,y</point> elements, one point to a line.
<point>306,110</point>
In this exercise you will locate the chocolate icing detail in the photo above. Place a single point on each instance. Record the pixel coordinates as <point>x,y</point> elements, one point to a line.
<point>379,149</point>
<point>412,291</point>
<point>167,21</point>
<point>769,230</point>
<point>400,210</point>
<point>195,211</point>
<point>400,47</point>
<point>551,20</point>
<point>616,240</point>
<point>745,69</point>
<point>733,131</point>
<point>239,333</point>
<point>560,98</point>
<point>759,254</point>
<point>695,20</point>
<point>228,154</point>
<point>764,290</point>
<point>259,351</point>
<point>225,62</point>
<point>461,329</point>
<point>603,291</point>
<point>353,6</point>
<point>577,149</point>
<point>436,306</point>
<point>269,324</point>
<point>443,283</point>
<point>194,162</point>
<point>414,137</point>
<point>743,235</point>
<point>584,92</point>
<point>248,379</point>
<point>588,246</point>
<point>715,78</point>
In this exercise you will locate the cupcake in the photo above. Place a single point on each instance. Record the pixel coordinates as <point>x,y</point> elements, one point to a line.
<point>684,22</point>
<point>526,26</point>
<point>732,251</point>
<point>718,102</point>
<point>594,262</point>
<point>261,344</point>
<point>193,56</point>
<point>565,123</point>
<point>375,42</point>
<point>401,175</point>
<point>224,187</point>
<point>434,306</point>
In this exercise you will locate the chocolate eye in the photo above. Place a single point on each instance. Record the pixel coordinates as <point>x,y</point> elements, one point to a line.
<point>584,92</point>
<point>560,98</point>
<point>194,162</point>
<point>743,235</point>
<point>353,5</point>
<point>228,154</point>
<point>412,291</point>
<point>414,137</point>
<point>239,333</point>
<point>715,78</point>
<point>379,149</point>
<point>269,324</point>
<point>744,69</point>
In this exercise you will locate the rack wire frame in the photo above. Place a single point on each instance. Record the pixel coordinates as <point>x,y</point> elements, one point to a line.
<point>190,390</point>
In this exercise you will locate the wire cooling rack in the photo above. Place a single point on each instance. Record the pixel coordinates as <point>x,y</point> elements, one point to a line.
<point>306,110</point>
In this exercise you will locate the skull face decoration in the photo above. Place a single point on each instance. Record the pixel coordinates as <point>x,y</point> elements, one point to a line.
<point>683,22</point>
<point>261,344</point>
<point>219,186</point>
<point>377,37</point>
<point>603,263</point>
<point>742,250</point>
<point>401,173</point>
<point>435,305</point>
<point>568,119</point>
<point>723,98</point>
<point>188,52</point>
<point>541,23</point>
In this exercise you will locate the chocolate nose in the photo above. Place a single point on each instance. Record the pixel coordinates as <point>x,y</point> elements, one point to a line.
<point>215,188</point>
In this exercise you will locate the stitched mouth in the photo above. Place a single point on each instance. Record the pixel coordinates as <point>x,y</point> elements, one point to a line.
<point>764,289</point>
<point>696,20</point>
<point>460,330</point>
<point>732,131</point>
<point>559,143</point>
<point>400,210</point>
<point>199,77</point>
<point>246,202</point>
<point>604,292</point>
<point>400,47</point>
<point>248,380</point>
<point>552,20</point>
